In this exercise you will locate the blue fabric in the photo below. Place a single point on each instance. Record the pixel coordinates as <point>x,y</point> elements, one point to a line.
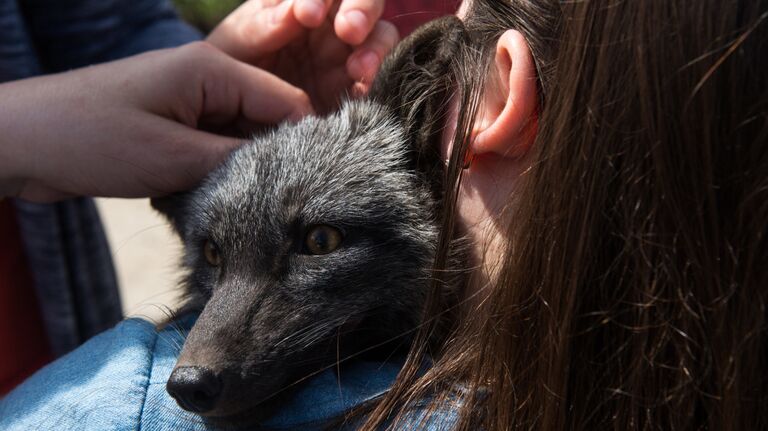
<point>64,242</point>
<point>116,381</point>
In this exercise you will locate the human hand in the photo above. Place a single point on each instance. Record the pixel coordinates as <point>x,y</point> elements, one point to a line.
<point>325,47</point>
<point>130,128</point>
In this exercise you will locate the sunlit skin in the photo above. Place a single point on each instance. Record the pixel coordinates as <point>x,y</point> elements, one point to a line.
<point>501,139</point>
<point>323,47</point>
<point>138,137</point>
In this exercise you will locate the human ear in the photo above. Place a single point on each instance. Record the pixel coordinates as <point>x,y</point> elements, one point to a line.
<point>506,124</point>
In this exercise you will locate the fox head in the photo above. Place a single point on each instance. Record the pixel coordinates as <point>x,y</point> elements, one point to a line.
<point>315,240</point>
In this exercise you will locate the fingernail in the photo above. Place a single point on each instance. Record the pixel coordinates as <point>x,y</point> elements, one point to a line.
<point>279,13</point>
<point>296,116</point>
<point>356,19</point>
<point>370,62</point>
<point>364,65</point>
<point>314,8</point>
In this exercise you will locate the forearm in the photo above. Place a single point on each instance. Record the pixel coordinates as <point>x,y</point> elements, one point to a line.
<point>44,120</point>
<point>15,123</point>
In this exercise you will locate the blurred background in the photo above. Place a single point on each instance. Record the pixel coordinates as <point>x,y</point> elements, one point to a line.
<point>405,14</point>
<point>145,251</point>
<point>205,14</point>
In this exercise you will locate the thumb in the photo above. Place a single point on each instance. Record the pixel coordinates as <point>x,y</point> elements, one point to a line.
<point>237,91</point>
<point>254,30</point>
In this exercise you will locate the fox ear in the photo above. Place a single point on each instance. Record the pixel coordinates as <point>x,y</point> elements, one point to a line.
<point>173,208</point>
<point>414,81</point>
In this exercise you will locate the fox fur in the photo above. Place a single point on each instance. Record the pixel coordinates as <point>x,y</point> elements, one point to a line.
<point>272,313</point>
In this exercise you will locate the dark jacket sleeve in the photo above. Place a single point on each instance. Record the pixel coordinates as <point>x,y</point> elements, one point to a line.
<point>74,33</point>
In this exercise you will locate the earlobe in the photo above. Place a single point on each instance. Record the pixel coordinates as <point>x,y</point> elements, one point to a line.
<point>506,125</point>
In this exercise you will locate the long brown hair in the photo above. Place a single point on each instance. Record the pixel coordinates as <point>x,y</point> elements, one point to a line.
<point>633,291</point>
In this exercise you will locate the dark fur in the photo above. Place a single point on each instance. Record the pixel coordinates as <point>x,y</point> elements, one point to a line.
<point>272,314</point>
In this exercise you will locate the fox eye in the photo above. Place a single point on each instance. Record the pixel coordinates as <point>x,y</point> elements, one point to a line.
<point>323,239</point>
<point>211,252</point>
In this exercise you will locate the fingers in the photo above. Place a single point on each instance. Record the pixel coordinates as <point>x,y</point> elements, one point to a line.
<point>263,97</point>
<point>233,90</point>
<point>256,29</point>
<point>365,61</point>
<point>311,13</point>
<point>356,19</point>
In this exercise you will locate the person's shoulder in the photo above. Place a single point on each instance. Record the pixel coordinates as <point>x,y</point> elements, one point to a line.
<point>331,394</point>
<point>116,381</point>
<point>100,385</point>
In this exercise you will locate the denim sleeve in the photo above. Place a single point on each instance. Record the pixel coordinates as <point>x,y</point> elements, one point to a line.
<point>116,382</point>
<point>73,33</point>
<point>100,385</point>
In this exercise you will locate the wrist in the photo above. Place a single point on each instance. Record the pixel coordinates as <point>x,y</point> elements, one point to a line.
<point>18,121</point>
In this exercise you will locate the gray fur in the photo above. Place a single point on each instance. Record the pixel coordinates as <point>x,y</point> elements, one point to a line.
<point>350,171</point>
<point>271,313</point>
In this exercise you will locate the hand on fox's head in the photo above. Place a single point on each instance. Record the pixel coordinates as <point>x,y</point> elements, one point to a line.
<point>131,136</point>
<point>327,48</point>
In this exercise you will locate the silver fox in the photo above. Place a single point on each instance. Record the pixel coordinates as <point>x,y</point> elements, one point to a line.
<point>316,240</point>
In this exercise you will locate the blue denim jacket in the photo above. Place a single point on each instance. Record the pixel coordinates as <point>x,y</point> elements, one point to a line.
<point>64,242</point>
<point>116,382</point>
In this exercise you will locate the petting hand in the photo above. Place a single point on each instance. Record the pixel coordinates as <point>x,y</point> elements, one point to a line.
<point>130,128</point>
<point>325,47</point>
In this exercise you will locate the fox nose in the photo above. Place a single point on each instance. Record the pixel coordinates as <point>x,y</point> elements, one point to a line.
<point>195,389</point>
